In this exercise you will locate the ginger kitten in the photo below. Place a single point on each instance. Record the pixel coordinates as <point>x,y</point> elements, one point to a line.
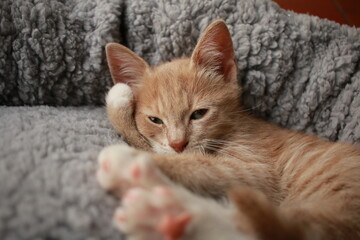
<point>195,143</point>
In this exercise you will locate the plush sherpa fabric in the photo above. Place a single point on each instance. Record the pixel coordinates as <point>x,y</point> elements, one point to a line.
<point>47,174</point>
<point>299,71</point>
<point>52,51</point>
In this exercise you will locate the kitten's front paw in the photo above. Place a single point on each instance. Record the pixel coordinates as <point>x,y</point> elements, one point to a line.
<point>120,96</point>
<point>122,167</point>
<point>152,214</point>
<point>174,213</point>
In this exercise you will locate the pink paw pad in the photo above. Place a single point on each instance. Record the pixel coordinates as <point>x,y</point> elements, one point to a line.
<point>135,172</point>
<point>120,216</point>
<point>162,191</point>
<point>173,227</point>
<point>131,196</point>
<point>105,166</point>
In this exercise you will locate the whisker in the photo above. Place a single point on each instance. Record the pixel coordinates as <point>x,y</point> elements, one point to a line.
<point>219,150</point>
<point>223,152</point>
<point>248,109</point>
<point>229,148</point>
<point>198,147</point>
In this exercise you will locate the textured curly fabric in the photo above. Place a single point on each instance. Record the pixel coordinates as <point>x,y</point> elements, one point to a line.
<point>52,51</point>
<point>48,188</point>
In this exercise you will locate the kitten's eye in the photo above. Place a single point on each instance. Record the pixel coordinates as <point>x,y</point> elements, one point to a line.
<point>156,120</point>
<point>198,114</point>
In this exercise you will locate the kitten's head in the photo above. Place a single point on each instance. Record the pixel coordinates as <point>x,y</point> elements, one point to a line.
<point>184,104</point>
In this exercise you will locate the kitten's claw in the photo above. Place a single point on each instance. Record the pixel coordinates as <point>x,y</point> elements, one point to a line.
<point>152,214</point>
<point>120,96</point>
<point>122,167</point>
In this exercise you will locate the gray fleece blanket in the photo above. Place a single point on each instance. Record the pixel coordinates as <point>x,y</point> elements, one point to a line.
<point>298,71</point>
<point>47,174</point>
<point>51,51</point>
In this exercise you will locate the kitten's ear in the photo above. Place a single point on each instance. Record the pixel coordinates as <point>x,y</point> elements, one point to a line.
<point>125,66</point>
<point>214,50</point>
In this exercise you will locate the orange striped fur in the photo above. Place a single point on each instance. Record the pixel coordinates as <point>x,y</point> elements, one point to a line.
<point>295,186</point>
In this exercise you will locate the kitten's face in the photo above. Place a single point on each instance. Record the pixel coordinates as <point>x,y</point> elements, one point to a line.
<point>184,104</point>
<point>181,107</point>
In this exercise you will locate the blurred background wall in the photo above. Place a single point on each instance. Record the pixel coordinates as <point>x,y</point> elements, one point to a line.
<point>341,11</point>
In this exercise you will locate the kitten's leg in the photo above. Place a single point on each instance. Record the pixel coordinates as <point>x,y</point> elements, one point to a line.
<point>171,211</point>
<point>174,213</point>
<point>153,212</point>
<point>213,175</point>
<point>120,108</point>
<point>204,174</point>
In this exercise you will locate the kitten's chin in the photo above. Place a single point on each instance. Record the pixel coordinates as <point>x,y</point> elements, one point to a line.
<point>161,150</point>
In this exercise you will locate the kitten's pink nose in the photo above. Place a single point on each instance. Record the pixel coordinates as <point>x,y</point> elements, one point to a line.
<point>178,146</point>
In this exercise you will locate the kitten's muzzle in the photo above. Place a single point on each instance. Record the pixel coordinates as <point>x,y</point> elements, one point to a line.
<point>178,146</point>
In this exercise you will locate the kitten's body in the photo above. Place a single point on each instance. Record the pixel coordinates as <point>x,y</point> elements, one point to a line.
<point>312,185</point>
